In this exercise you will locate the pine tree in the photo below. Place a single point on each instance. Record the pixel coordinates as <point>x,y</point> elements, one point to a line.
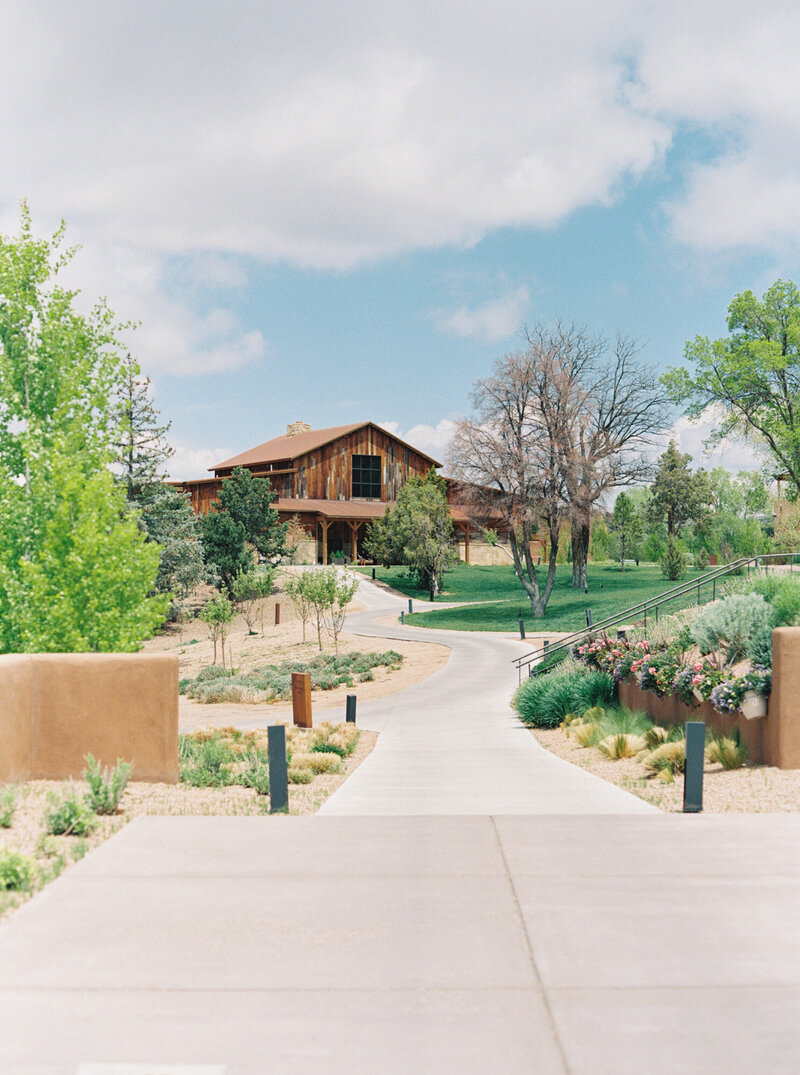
<point>140,441</point>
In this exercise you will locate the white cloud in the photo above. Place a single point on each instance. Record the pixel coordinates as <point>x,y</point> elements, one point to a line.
<point>432,440</point>
<point>190,462</point>
<point>493,320</point>
<point>327,135</point>
<point>733,455</point>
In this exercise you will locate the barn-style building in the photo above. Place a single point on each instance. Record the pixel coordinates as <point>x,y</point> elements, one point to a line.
<point>334,481</point>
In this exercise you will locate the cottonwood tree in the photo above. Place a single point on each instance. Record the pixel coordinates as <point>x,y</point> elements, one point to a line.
<point>750,379</point>
<point>76,572</point>
<point>506,458</point>
<point>606,410</point>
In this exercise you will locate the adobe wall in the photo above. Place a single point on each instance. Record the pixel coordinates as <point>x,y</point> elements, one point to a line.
<point>57,707</point>
<point>670,711</point>
<point>774,739</point>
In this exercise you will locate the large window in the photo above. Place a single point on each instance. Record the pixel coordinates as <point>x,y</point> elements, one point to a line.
<point>366,477</point>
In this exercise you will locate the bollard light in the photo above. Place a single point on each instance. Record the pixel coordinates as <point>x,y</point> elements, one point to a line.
<point>521,628</point>
<point>278,770</point>
<point>350,712</point>
<point>410,605</point>
<point>588,617</point>
<point>693,770</point>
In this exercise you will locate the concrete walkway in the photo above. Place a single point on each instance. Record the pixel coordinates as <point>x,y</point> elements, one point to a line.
<point>538,943</point>
<point>452,745</point>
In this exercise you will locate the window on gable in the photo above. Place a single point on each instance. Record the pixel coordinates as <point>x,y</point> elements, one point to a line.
<point>366,477</point>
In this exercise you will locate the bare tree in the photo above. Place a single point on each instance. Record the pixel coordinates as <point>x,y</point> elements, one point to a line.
<point>610,409</point>
<point>506,459</point>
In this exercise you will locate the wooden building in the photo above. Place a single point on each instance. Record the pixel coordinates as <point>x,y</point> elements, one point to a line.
<point>334,481</point>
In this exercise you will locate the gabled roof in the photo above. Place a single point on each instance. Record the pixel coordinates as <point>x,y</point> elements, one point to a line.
<point>271,451</point>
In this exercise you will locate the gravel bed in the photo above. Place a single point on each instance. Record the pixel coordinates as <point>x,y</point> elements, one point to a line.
<point>753,789</point>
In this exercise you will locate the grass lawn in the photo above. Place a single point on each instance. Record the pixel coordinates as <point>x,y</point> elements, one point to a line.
<point>610,591</point>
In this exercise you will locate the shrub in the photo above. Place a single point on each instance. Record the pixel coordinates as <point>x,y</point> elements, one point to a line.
<point>257,778</point>
<point>670,755</point>
<point>204,761</point>
<point>70,816</point>
<point>728,625</point>
<point>105,786</point>
<point>727,751</point>
<point>8,804</point>
<point>329,748</point>
<point>759,648</point>
<point>16,870</point>
<point>673,562</point>
<point>300,775</point>
<point>621,745</point>
<point>701,559</point>
<point>619,720</point>
<point>543,701</point>
<point>587,735</point>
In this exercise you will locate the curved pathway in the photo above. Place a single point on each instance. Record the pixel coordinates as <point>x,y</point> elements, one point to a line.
<point>452,745</point>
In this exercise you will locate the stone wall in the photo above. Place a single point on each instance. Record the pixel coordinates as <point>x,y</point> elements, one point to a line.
<point>57,707</point>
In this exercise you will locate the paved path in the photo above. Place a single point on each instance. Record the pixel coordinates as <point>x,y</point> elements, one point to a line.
<point>534,942</point>
<point>452,946</point>
<point>452,745</point>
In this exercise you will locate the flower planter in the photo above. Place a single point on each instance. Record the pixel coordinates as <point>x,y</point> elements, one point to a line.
<point>754,705</point>
<point>698,696</point>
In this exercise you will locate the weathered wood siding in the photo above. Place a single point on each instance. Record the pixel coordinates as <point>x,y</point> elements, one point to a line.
<point>326,473</point>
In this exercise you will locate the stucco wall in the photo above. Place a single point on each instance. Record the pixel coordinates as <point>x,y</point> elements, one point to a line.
<point>57,707</point>
<point>774,739</point>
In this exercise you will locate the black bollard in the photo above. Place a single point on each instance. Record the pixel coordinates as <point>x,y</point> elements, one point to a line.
<point>410,605</point>
<point>693,772</point>
<point>402,616</point>
<point>350,717</point>
<point>278,772</point>
<point>373,573</point>
<point>521,628</point>
<point>588,617</point>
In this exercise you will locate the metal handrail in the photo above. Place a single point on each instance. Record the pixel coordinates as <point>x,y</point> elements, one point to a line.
<point>536,656</point>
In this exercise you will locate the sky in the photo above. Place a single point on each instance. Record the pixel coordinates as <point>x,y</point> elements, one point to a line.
<point>346,212</point>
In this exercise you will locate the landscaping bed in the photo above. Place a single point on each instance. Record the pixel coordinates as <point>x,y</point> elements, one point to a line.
<point>49,855</point>
<point>697,664</point>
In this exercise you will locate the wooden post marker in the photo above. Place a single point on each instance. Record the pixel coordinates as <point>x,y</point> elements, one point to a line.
<point>277,613</point>
<point>278,771</point>
<point>301,699</point>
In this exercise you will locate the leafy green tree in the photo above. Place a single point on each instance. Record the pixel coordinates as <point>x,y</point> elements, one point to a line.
<point>218,615</point>
<point>224,546</point>
<point>75,569</point>
<point>417,531</point>
<point>752,376</point>
<point>676,493</point>
<point>248,502</point>
<point>626,523</point>
<point>169,521</point>
<point>249,589</point>
<point>325,595</point>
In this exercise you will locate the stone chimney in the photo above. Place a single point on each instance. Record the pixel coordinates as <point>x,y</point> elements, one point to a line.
<point>294,429</point>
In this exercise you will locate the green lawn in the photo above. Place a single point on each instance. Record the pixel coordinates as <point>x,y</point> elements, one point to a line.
<point>610,591</point>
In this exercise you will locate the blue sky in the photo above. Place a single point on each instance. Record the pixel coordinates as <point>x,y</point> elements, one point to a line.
<point>335,213</point>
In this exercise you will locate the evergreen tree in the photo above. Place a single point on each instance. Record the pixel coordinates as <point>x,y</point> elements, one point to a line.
<point>676,493</point>
<point>626,524</point>
<point>140,441</point>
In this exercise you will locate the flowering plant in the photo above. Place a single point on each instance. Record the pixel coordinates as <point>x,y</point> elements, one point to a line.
<point>727,695</point>
<point>759,680</point>
<point>683,684</point>
<point>657,672</point>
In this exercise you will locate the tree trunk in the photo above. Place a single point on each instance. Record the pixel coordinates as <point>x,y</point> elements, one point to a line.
<point>581,533</point>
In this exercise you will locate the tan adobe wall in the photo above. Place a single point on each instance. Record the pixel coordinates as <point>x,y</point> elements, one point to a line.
<point>482,554</point>
<point>307,551</point>
<point>57,707</point>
